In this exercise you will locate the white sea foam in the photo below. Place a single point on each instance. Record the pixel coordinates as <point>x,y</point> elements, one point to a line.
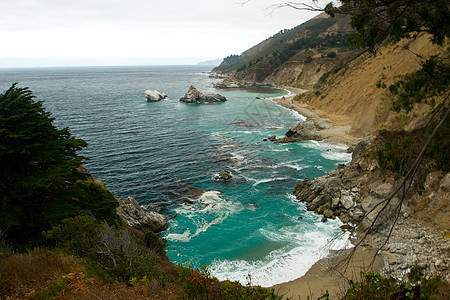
<point>298,115</point>
<point>210,209</point>
<point>329,151</point>
<point>237,156</point>
<point>220,136</point>
<point>227,146</point>
<point>339,156</point>
<point>179,237</point>
<point>269,180</point>
<point>293,112</point>
<point>280,150</point>
<point>308,242</point>
<point>284,264</point>
<point>293,164</point>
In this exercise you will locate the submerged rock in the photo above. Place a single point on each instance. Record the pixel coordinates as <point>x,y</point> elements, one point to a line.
<point>138,217</point>
<point>154,95</point>
<point>193,95</point>
<point>243,123</point>
<point>224,175</point>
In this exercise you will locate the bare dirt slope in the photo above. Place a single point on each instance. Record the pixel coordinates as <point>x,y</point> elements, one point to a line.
<point>353,94</point>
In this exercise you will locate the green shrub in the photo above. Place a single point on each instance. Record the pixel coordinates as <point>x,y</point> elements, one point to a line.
<point>308,60</point>
<point>373,286</point>
<point>199,284</point>
<point>53,290</point>
<point>78,235</point>
<point>324,77</point>
<point>432,80</point>
<point>154,242</point>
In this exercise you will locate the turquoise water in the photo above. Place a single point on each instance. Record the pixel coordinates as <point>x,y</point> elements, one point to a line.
<point>161,152</point>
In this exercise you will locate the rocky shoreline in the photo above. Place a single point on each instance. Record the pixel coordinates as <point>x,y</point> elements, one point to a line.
<point>353,192</point>
<point>356,194</point>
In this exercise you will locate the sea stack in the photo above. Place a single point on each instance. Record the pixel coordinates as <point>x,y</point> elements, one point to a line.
<point>193,95</point>
<point>154,95</point>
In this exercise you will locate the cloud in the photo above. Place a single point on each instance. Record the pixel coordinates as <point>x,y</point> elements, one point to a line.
<point>137,28</point>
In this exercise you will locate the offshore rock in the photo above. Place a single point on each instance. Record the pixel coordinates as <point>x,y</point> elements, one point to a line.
<point>301,131</point>
<point>154,95</point>
<point>138,217</point>
<point>224,175</point>
<point>227,84</point>
<point>193,95</point>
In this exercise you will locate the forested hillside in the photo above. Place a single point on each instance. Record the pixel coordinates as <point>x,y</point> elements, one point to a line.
<point>291,56</point>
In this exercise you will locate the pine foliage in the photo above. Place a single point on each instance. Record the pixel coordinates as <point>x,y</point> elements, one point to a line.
<point>40,181</point>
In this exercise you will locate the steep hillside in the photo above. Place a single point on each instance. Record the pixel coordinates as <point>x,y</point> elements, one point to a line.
<point>359,90</point>
<point>296,57</point>
<point>392,188</point>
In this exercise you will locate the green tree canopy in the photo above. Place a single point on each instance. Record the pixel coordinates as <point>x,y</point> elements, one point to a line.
<point>40,181</point>
<point>375,21</point>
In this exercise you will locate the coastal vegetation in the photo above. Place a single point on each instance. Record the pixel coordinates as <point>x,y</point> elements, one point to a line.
<point>60,236</point>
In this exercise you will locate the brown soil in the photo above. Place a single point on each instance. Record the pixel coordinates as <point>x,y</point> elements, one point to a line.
<point>341,125</point>
<point>355,100</point>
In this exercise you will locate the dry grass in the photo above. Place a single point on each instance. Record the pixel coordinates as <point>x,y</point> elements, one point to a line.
<point>23,274</point>
<point>121,291</point>
<point>43,274</point>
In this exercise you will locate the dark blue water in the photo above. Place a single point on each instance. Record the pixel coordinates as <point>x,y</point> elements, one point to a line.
<point>166,154</point>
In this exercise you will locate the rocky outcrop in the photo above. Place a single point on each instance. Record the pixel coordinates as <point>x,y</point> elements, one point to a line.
<point>352,192</point>
<point>356,193</point>
<point>226,84</point>
<point>154,95</point>
<point>224,175</point>
<point>301,131</point>
<point>216,75</point>
<point>230,82</point>
<point>193,95</point>
<point>138,217</point>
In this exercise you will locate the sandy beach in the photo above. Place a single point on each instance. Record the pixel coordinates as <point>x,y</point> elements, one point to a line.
<point>333,272</point>
<point>339,126</point>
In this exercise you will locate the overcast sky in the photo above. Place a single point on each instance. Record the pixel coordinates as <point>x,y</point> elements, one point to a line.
<point>135,32</point>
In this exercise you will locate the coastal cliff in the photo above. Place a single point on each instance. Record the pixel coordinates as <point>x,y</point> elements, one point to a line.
<point>407,227</point>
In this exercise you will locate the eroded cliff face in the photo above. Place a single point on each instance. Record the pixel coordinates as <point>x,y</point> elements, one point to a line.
<point>368,200</point>
<point>350,86</point>
<point>360,89</point>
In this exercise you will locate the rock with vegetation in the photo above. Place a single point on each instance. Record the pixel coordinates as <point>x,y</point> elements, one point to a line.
<point>193,95</point>
<point>154,95</point>
<point>138,217</point>
<point>224,175</point>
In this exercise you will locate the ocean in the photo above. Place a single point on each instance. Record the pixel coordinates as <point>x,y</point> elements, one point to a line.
<point>167,154</point>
